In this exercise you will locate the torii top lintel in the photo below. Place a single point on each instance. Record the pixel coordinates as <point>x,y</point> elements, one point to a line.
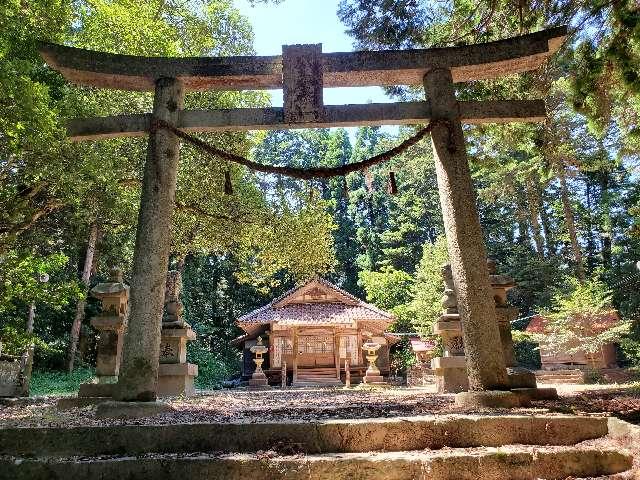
<point>352,69</point>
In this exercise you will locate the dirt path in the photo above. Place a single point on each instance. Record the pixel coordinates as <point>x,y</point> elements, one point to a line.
<point>238,405</point>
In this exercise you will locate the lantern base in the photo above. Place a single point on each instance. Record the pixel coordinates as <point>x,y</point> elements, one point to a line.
<point>373,380</point>
<point>258,380</point>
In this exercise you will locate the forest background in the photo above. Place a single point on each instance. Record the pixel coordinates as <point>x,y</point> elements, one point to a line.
<point>559,202</point>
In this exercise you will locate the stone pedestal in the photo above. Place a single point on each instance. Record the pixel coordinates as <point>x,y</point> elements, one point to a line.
<point>177,379</point>
<point>175,375</point>
<point>258,380</point>
<point>451,374</point>
<point>110,325</point>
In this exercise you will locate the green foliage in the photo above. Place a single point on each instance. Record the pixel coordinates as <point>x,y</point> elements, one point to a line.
<point>573,319</point>
<point>44,382</point>
<point>429,287</point>
<point>22,278</point>
<point>526,350</point>
<point>213,369</point>
<point>390,290</point>
<point>402,357</point>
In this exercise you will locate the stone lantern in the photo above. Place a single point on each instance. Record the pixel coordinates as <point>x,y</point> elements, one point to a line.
<point>175,375</point>
<point>372,375</point>
<point>451,368</point>
<point>519,377</point>
<point>258,378</point>
<point>110,324</point>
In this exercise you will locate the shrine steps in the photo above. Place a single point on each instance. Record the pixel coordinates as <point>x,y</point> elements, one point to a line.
<point>522,463</point>
<point>317,377</point>
<point>573,376</point>
<point>477,447</point>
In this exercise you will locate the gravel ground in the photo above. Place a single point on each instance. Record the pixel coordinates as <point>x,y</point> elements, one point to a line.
<point>239,405</point>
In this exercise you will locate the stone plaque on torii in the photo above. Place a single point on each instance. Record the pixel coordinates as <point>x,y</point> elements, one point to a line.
<point>302,71</point>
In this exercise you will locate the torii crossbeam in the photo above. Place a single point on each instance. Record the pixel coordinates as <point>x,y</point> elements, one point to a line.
<point>302,71</point>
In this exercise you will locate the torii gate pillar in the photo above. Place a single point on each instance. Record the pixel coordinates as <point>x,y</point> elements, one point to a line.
<point>141,350</point>
<point>467,253</point>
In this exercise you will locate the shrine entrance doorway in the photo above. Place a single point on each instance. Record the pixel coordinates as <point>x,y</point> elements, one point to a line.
<point>316,349</point>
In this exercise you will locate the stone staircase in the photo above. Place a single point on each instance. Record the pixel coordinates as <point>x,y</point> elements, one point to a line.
<point>317,377</point>
<point>572,376</point>
<point>445,447</point>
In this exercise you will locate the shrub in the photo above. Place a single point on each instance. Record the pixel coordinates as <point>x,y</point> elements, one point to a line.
<point>48,382</point>
<point>526,349</point>
<point>213,368</point>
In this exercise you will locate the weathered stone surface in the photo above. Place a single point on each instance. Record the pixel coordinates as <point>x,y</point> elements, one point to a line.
<point>302,83</point>
<point>467,253</point>
<point>139,370</point>
<point>522,463</point>
<point>521,377</point>
<point>15,374</point>
<point>69,403</point>
<point>391,67</point>
<point>381,434</point>
<point>490,399</point>
<point>272,118</point>
<point>111,409</point>
<point>173,308</point>
<point>97,390</point>
<point>536,393</point>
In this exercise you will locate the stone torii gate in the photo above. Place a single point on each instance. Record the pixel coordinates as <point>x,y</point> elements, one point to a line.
<point>302,71</point>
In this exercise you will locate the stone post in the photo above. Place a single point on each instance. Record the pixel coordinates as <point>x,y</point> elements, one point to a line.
<point>175,375</point>
<point>139,370</point>
<point>485,364</point>
<point>451,368</point>
<point>110,325</point>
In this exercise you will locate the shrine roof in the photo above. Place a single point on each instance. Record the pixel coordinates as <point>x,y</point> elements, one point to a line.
<point>599,324</point>
<point>419,345</point>
<point>316,302</point>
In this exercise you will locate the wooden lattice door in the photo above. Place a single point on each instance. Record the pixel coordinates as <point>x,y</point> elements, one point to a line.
<point>315,351</point>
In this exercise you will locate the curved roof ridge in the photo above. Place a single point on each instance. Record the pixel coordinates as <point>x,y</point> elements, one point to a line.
<point>359,303</point>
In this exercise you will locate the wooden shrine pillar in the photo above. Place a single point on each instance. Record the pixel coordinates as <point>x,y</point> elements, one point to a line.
<point>295,356</point>
<point>467,252</point>
<point>139,370</point>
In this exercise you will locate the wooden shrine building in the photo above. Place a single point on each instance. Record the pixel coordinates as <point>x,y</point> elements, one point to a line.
<point>604,358</point>
<point>313,329</point>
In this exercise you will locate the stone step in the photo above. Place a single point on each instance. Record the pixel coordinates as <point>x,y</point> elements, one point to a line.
<point>514,462</point>
<point>571,376</point>
<point>331,436</point>
<point>318,373</point>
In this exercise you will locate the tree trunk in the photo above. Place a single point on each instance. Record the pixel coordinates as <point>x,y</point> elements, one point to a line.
<point>467,251</point>
<point>31,318</point>
<point>546,225</point>
<point>86,276</point>
<point>591,241</point>
<point>570,222</point>
<point>607,233</point>
<point>138,377</point>
<point>533,203</point>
